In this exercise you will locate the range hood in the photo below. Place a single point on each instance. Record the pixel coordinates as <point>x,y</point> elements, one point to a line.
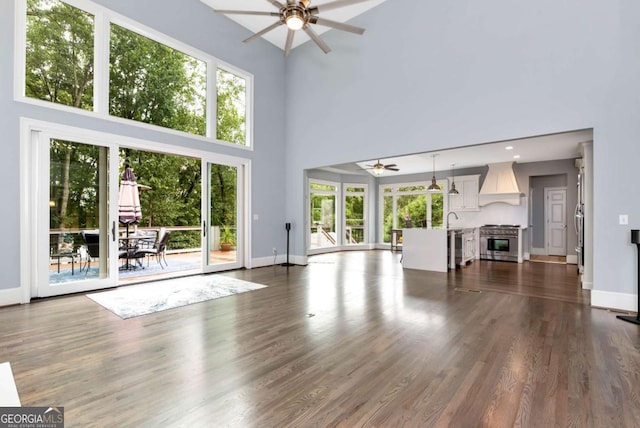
<point>500,185</point>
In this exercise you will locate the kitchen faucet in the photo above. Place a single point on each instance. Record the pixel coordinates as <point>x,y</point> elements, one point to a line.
<point>448,214</point>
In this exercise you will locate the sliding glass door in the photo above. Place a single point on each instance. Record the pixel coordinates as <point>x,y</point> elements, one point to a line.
<point>223,216</point>
<point>76,216</point>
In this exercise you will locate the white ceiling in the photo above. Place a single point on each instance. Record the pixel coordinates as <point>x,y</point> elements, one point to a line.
<point>278,36</point>
<point>534,149</point>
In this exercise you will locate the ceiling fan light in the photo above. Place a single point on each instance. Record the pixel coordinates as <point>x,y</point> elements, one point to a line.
<point>294,21</point>
<point>378,170</point>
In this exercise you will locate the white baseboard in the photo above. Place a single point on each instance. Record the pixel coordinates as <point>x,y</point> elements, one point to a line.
<point>281,258</point>
<point>10,296</point>
<point>612,300</point>
<point>572,259</point>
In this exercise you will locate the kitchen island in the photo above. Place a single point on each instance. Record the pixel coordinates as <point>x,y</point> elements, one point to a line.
<point>432,249</point>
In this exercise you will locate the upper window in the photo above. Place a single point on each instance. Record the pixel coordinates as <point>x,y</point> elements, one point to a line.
<point>59,54</point>
<point>153,83</point>
<point>231,106</point>
<point>150,78</point>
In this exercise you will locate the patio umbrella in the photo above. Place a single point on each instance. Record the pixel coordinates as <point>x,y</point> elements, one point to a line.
<point>129,211</point>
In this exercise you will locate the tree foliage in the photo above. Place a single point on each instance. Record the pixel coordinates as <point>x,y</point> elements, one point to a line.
<point>153,83</point>
<point>59,54</point>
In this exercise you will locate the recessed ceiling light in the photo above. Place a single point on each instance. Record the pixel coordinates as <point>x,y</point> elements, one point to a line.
<point>516,156</point>
<point>509,148</point>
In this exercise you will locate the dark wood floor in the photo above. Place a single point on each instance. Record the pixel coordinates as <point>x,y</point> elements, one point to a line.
<point>349,340</point>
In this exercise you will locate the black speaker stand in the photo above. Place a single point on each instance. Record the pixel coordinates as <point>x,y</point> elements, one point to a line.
<point>287,226</point>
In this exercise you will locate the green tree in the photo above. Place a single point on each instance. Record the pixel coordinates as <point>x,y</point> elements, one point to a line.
<point>59,54</point>
<point>153,83</point>
<point>231,116</point>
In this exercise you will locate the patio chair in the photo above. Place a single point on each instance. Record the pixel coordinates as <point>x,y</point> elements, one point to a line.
<point>159,250</point>
<point>92,246</point>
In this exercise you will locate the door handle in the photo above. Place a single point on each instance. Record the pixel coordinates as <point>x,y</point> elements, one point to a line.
<point>113,231</point>
<point>204,228</point>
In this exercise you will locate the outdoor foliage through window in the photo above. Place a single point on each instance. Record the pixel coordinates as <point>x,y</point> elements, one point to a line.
<point>231,103</point>
<point>59,54</point>
<point>149,81</point>
<point>153,83</point>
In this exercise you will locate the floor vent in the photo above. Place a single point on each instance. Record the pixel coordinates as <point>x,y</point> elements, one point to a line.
<point>467,290</point>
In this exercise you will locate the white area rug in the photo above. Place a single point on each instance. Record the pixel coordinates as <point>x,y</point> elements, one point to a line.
<point>135,300</point>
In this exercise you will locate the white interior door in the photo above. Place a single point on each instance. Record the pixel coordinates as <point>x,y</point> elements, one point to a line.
<point>556,221</point>
<point>77,199</point>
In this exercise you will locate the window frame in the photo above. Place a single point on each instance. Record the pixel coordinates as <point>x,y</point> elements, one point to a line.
<point>337,209</point>
<point>103,17</point>
<point>391,190</point>
<point>365,204</point>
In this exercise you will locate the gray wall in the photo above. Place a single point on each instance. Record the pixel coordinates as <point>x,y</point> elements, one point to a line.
<point>457,73</point>
<point>193,23</point>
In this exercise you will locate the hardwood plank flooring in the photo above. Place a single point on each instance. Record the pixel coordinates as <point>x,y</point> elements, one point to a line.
<point>349,340</point>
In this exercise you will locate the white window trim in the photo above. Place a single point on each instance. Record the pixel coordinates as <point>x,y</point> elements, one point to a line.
<point>103,18</point>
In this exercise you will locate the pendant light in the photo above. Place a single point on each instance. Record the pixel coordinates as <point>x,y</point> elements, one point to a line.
<point>453,190</point>
<point>434,185</point>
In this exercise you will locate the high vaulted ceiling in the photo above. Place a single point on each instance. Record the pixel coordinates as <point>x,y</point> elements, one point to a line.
<point>279,35</point>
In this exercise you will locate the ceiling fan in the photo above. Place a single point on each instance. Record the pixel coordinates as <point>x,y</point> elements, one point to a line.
<point>378,168</point>
<point>298,15</point>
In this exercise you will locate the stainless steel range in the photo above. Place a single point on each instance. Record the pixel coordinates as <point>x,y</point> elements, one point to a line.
<point>499,242</point>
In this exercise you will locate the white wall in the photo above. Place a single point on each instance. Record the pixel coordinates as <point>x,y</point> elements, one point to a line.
<point>457,73</point>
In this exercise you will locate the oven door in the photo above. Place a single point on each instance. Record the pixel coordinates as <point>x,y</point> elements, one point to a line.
<point>498,247</point>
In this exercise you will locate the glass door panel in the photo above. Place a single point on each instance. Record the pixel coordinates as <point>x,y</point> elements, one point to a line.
<point>80,253</point>
<point>354,219</point>
<point>323,221</point>
<point>222,233</point>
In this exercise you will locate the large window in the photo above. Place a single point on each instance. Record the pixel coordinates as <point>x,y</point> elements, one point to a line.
<point>59,54</point>
<point>231,107</point>
<point>153,83</point>
<point>355,203</point>
<point>410,205</point>
<point>323,197</point>
<point>143,76</point>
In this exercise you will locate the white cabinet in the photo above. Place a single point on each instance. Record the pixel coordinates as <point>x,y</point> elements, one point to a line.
<point>467,197</point>
<point>468,246</point>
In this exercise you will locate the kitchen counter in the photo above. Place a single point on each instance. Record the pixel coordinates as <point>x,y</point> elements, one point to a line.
<point>430,249</point>
<point>425,249</point>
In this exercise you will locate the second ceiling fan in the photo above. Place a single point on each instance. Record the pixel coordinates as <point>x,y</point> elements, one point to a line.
<point>298,15</point>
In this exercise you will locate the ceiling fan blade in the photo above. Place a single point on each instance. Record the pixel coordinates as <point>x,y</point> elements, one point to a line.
<point>246,12</point>
<point>336,25</point>
<point>287,46</point>
<point>321,44</point>
<point>261,32</point>
<point>333,5</point>
<point>292,2</point>
<point>392,169</point>
<point>276,3</point>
